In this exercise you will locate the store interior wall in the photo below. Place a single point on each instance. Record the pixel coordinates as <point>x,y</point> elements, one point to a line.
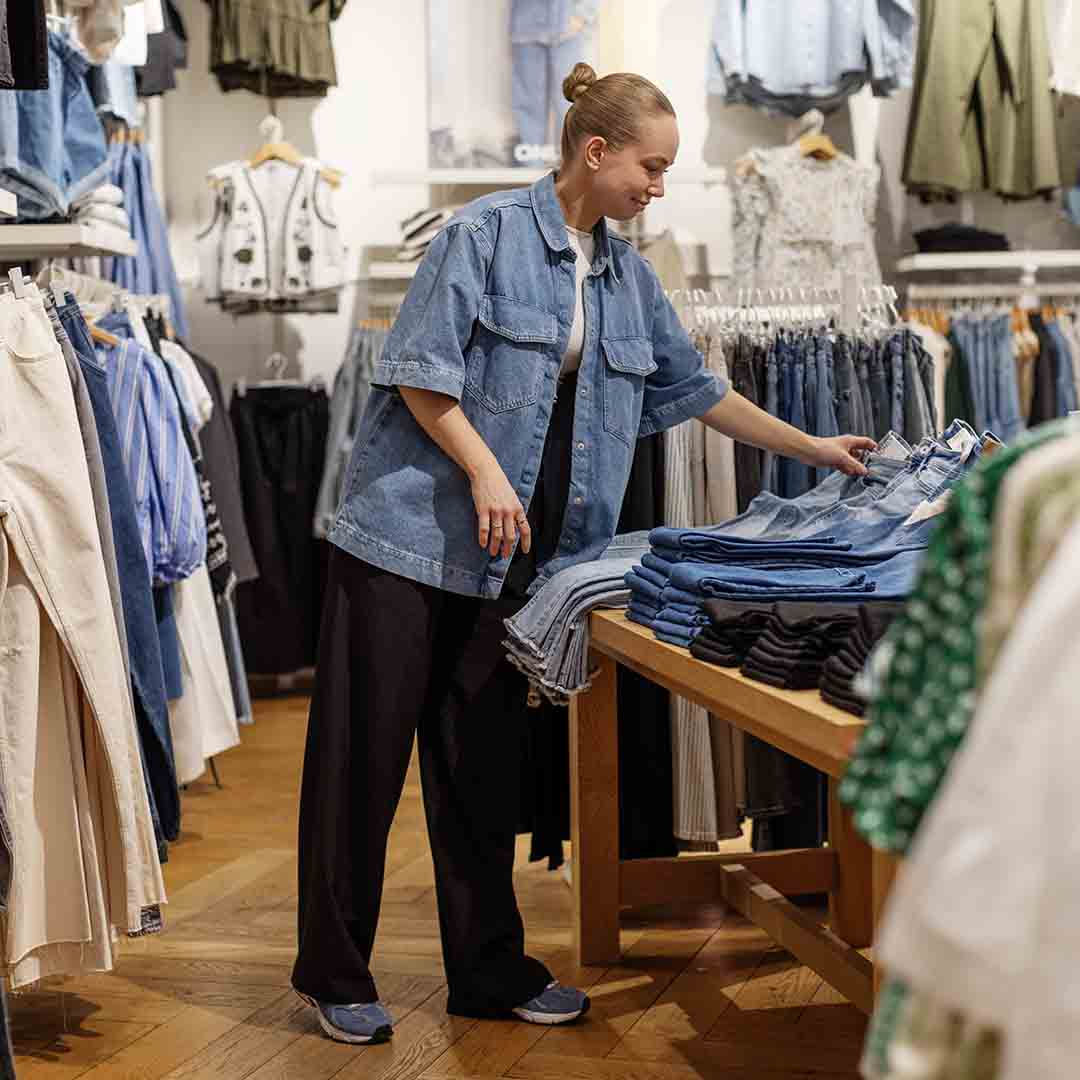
<point>376,120</point>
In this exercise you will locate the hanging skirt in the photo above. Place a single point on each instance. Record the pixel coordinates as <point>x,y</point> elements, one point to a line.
<point>275,48</point>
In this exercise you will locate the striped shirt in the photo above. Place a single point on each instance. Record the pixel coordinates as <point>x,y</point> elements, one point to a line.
<point>163,481</point>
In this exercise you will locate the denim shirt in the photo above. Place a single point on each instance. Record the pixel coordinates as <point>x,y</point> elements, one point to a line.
<point>547,22</point>
<point>486,321</point>
<point>810,46</point>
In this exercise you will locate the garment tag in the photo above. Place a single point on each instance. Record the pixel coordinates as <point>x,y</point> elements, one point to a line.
<point>963,441</point>
<point>890,448</point>
<point>928,508</point>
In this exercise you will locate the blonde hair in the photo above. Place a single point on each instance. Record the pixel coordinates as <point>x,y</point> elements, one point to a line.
<point>611,107</point>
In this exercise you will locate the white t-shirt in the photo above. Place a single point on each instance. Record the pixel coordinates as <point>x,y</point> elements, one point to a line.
<point>584,246</point>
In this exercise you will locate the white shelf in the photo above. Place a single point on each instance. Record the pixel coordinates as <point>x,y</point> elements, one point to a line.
<point>391,270</point>
<point>990,260</point>
<point>59,241</point>
<point>518,177</point>
<point>9,205</point>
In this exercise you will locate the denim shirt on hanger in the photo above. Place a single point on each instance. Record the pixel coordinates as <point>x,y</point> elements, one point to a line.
<point>807,48</point>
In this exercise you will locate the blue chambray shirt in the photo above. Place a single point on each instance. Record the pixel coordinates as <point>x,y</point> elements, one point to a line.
<point>808,46</point>
<point>486,321</point>
<point>547,22</point>
<point>165,487</point>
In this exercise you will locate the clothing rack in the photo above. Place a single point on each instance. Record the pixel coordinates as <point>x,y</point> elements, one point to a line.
<point>991,292</point>
<point>847,308</point>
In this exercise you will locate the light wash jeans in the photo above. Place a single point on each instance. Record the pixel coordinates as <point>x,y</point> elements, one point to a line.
<point>549,637</point>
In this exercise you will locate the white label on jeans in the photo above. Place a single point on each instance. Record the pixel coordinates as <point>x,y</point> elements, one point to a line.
<point>963,441</point>
<point>889,447</point>
<point>928,509</point>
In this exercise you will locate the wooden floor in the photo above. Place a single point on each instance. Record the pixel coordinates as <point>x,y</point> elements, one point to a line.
<point>700,993</point>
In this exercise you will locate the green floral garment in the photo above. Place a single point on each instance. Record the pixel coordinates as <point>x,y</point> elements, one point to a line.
<point>925,669</point>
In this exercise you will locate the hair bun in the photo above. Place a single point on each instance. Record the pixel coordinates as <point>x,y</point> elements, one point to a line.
<point>578,81</point>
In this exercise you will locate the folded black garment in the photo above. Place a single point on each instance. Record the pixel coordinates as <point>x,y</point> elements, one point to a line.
<point>720,657</point>
<point>802,614</point>
<point>769,652</point>
<point>849,704</point>
<point>843,666</point>
<point>734,612</point>
<point>957,237</point>
<point>812,644</point>
<point>791,678</point>
<point>877,616</point>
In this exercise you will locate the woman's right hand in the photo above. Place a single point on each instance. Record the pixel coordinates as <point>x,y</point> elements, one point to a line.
<point>499,512</point>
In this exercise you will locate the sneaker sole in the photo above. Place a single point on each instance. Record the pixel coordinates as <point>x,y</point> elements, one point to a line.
<point>550,1019</point>
<point>381,1035</point>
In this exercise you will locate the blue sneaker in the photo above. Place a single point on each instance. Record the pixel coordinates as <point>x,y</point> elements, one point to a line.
<point>369,1023</point>
<point>556,1005</point>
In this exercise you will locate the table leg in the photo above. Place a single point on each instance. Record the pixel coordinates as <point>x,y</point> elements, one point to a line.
<point>594,818</point>
<point>851,903</point>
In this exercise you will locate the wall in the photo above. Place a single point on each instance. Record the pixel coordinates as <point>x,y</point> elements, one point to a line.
<point>376,119</point>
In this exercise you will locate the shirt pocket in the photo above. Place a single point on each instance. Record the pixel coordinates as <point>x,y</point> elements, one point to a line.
<point>508,353</point>
<point>627,363</point>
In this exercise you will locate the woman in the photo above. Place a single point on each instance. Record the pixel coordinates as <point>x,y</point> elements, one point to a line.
<point>532,350</point>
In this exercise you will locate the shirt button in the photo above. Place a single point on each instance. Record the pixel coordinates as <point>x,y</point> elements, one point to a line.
<point>581,446</point>
<point>579,500</point>
<point>584,391</point>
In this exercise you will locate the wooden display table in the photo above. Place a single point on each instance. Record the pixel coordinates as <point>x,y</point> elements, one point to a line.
<point>798,722</point>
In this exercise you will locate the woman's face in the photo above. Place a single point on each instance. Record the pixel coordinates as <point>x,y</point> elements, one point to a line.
<point>627,180</point>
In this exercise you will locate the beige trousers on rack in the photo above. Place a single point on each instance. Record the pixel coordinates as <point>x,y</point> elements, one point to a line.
<point>58,644</point>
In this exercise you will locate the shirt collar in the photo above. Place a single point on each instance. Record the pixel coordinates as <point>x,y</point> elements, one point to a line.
<point>549,217</point>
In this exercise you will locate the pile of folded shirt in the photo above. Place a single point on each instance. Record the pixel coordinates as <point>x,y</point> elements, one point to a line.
<point>549,637</point>
<point>418,230</point>
<point>777,590</point>
<point>103,208</point>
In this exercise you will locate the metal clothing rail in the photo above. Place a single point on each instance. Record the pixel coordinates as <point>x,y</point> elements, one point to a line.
<point>984,291</point>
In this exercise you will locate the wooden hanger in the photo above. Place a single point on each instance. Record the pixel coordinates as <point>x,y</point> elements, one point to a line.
<point>819,146</point>
<point>808,132</point>
<point>103,337</point>
<point>275,148</point>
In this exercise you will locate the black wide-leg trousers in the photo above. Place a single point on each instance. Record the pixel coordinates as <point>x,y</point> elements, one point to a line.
<point>398,659</point>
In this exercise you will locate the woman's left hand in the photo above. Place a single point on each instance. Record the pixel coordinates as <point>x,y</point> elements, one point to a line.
<point>842,452</point>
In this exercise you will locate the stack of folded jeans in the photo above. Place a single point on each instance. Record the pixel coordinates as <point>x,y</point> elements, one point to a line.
<point>848,541</point>
<point>840,670</point>
<point>549,637</point>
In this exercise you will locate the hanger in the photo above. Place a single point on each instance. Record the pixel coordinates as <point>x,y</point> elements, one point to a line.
<point>809,133</point>
<point>274,148</point>
<point>103,337</point>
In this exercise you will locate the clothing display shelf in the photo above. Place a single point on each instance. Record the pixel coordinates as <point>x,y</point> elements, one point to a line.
<point>35,242</point>
<point>1029,263</point>
<point>9,206</point>
<point>757,885</point>
<point>390,270</point>
<point>520,177</point>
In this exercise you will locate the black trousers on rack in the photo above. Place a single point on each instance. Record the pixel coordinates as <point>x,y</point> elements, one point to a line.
<point>281,442</point>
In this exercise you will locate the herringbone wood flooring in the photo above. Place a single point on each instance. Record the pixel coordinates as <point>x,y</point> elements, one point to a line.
<point>699,993</point>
